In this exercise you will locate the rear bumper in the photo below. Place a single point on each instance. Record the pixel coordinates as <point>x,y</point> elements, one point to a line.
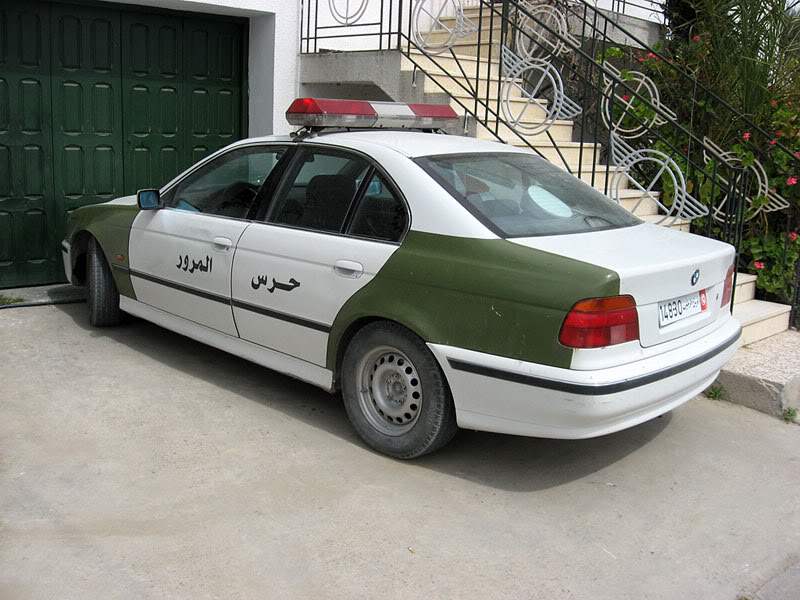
<point>493,393</point>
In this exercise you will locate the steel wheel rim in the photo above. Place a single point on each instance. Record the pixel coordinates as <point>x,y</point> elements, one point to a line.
<point>390,392</point>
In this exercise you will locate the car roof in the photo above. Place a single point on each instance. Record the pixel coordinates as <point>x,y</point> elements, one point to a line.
<point>409,143</point>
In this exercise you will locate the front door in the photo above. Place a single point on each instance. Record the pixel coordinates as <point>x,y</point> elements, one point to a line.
<point>181,256</point>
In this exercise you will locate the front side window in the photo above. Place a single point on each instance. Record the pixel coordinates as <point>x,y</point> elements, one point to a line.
<point>228,185</point>
<point>320,187</point>
<point>521,195</point>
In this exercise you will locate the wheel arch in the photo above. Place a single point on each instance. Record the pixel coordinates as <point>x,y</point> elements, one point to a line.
<point>346,335</point>
<point>110,225</point>
<point>79,248</point>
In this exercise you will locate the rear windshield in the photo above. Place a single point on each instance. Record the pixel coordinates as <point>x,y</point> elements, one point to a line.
<point>521,195</point>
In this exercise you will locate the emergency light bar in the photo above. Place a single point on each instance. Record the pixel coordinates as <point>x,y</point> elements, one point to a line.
<point>324,112</point>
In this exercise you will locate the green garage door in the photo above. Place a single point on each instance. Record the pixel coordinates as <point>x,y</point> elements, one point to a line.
<point>97,102</point>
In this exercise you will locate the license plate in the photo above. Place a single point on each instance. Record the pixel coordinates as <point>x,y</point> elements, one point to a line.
<point>682,307</point>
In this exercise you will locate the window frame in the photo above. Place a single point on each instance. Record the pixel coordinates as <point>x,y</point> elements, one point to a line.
<point>372,168</point>
<point>169,190</point>
<point>479,216</point>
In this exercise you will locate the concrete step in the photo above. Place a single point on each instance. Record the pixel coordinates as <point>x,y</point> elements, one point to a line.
<point>560,130</point>
<point>765,375</point>
<point>455,65</point>
<point>638,203</point>
<point>458,84</point>
<point>745,288</point>
<point>473,14</point>
<point>530,111</point>
<point>761,319</point>
<point>678,224</point>
<point>486,49</point>
<point>440,36</point>
<point>572,152</point>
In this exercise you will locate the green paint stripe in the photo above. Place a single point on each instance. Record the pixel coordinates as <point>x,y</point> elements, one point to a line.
<point>490,296</point>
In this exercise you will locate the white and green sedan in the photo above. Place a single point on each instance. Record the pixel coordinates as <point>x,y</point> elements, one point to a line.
<point>438,281</point>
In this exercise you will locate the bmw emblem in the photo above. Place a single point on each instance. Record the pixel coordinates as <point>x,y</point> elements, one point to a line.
<point>695,276</point>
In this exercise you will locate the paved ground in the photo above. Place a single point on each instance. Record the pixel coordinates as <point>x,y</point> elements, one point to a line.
<point>135,463</point>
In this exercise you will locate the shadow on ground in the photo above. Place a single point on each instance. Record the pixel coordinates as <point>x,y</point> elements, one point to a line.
<point>501,461</point>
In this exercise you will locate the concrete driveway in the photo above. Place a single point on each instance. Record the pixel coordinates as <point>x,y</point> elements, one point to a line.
<point>135,463</point>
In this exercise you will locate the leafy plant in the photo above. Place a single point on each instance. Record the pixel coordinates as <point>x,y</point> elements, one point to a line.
<point>790,414</point>
<point>773,260</point>
<point>5,300</point>
<point>715,392</point>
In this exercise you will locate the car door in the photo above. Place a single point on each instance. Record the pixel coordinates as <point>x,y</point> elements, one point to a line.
<point>181,255</point>
<point>334,222</point>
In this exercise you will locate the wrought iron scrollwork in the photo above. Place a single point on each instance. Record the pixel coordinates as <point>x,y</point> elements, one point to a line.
<point>626,125</point>
<point>550,38</point>
<point>650,161</point>
<point>759,187</point>
<point>422,38</point>
<point>545,90</point>
<point>349,15</point>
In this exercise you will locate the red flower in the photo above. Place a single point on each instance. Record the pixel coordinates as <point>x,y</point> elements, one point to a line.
<point>789,103</point>
<point>774,102</point>
<point>625,97</point>
<point>638,53</point>
<point>758,265</point>
<point>791,181</point>
<point>773,142</point>
<point>650,55</point>
<point>797,154</point>
<point>779,132</point>
<point>746,135</point>
<point>696,38</point>
<point>793,235</point>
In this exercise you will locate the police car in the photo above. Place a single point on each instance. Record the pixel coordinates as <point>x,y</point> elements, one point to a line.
<point>438,281</point>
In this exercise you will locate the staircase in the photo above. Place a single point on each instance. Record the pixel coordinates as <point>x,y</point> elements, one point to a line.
<point>468,75</point>
<point>446,72</point>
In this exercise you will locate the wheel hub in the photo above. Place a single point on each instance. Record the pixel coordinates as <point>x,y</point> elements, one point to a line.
<point>395,390</point>
<point>391,394</point>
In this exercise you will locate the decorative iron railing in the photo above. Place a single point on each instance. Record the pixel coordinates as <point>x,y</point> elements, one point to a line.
<point>502,62</point>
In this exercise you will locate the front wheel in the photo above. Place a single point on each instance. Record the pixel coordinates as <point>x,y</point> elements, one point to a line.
<point>395,394</point>
<point>102,295</point>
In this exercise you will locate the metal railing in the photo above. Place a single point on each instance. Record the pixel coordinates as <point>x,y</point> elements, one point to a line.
<point>568,61</point>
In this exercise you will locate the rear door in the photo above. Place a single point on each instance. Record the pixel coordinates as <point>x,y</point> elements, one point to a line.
<point>181,256</point>
<point>333,224</point>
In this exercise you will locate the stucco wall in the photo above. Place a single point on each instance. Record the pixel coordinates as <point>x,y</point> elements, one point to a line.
<point>272,53</point>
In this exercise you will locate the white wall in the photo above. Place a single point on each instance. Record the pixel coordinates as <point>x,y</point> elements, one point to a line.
<point>272,54</point>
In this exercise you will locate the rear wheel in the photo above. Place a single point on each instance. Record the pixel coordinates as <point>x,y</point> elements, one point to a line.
<point>102,295</point>
<point>395,393</point>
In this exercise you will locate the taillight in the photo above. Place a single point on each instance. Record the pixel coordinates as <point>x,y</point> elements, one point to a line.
<point>727,290</point>
<point>600,322</point>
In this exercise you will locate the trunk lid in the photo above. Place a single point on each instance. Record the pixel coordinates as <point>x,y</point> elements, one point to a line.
<point>655,264</point>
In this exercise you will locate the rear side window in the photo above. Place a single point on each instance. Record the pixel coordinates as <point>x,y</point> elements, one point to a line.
<point>380,214</point>
<point>521,195</point>
<point>320,187</point>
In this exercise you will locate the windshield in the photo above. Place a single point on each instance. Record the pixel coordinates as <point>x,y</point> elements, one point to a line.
<point>521,195</point>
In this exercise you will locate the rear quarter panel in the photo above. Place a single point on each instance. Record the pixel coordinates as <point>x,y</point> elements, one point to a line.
<point>490,296</point>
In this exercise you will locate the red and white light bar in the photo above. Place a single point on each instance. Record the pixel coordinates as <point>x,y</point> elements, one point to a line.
<point>325,112</point>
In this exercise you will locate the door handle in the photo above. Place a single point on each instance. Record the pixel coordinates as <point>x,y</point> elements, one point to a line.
<point>222,243</point>
<point>348,268</point>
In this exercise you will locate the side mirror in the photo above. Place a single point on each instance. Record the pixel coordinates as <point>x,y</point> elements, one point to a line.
<point>148,199</point>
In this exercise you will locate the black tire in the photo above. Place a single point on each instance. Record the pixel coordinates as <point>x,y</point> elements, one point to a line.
<point>395,394</point>
<point>102,295</point>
